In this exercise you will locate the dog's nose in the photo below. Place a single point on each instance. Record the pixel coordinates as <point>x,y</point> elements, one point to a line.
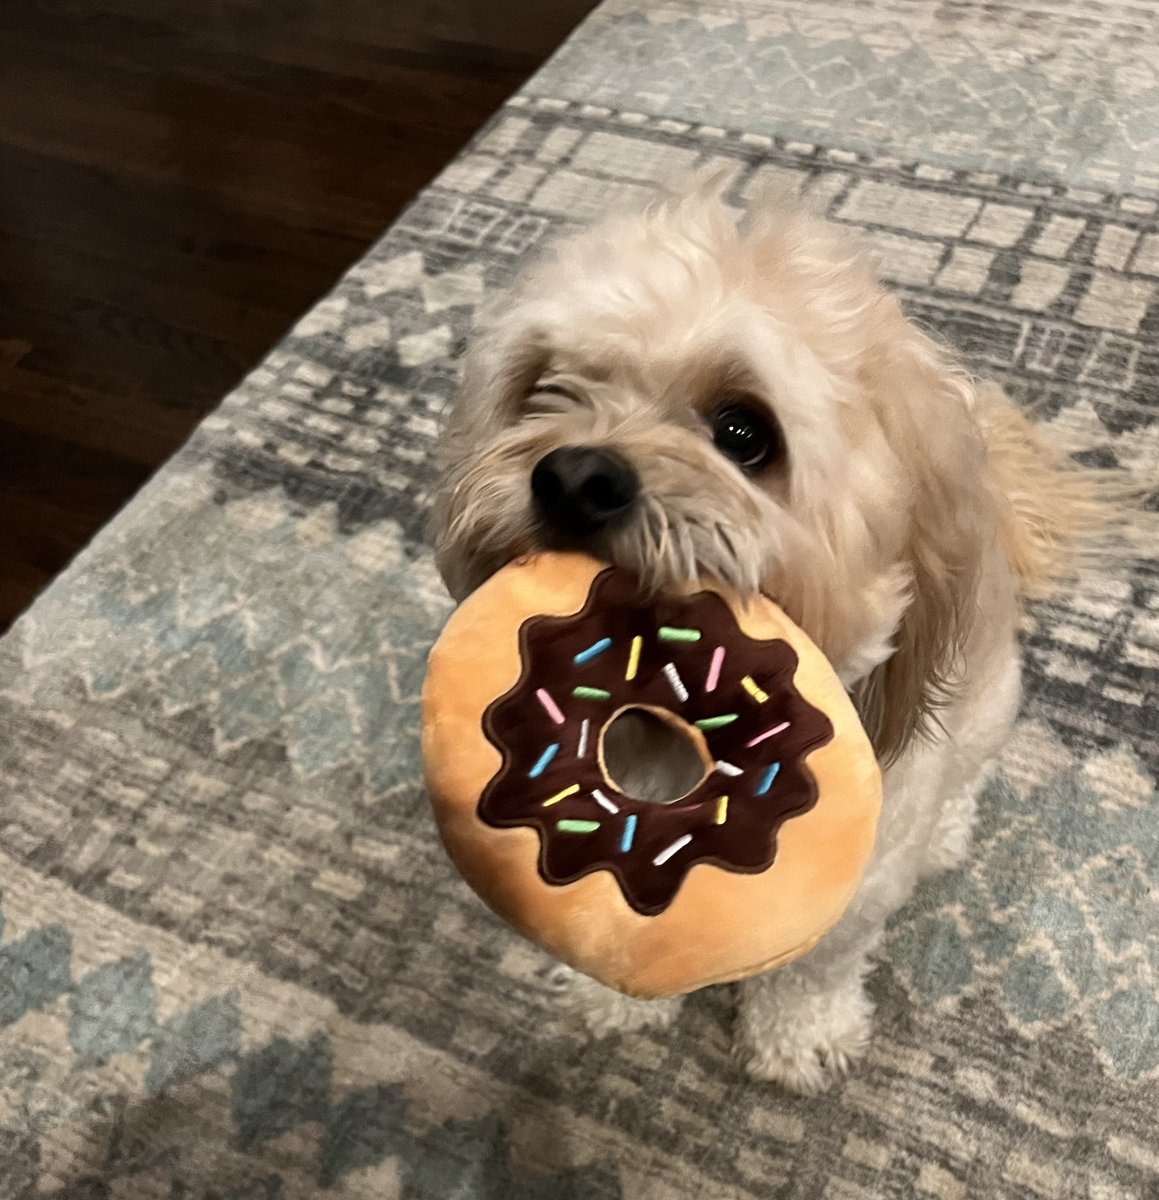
<point>580,489</point>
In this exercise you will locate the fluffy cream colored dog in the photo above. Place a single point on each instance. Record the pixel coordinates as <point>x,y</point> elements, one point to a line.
<point>686,396</point>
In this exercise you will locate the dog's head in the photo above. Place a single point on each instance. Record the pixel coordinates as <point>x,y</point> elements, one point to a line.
<point>686,397</point>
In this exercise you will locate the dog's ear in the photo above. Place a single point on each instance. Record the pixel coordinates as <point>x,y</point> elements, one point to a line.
<point>926,409</point>
<point>498,373</point>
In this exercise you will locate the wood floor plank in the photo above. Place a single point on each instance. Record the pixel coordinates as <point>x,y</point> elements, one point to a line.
<point>182,178</point>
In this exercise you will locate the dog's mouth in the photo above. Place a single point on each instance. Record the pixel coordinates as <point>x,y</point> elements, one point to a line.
<point>627,546</point>
<point>669,552</point>
<point>548,538</point>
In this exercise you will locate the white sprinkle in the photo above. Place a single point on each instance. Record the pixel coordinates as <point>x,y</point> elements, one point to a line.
<point>676,846</point>
<point>676,682</point>
<point>603,801</point>
<point>727,768</point>
<point>583,742</point>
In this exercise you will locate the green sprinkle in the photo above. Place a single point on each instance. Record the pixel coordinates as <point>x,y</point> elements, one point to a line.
<point>670,634</point>
<point>577,826</point>
<point>590,693</point>
<point>716,722</point>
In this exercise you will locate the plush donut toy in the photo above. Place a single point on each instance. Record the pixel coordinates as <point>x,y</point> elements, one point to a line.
<point>664,792</point>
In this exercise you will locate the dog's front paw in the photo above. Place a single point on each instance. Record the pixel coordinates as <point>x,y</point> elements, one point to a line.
<point>802,1035</point>
<point>808,1064</point>
<point>602,1011</point>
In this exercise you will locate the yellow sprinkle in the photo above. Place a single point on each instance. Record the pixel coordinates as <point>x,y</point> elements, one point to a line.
<point>567,791</point>
<point>750,685</point>
<point>634,658</point>
<point>721,810</point>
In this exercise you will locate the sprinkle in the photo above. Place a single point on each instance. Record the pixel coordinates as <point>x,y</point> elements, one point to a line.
<point>590,693</point>
<point>593,651</point>
<point>629,834</point>
<point>768,733</point>
<point>675,848</point>
<point>567,791</point>
<point>582,748</point>
<point>676,682</point>
<point>551,706</point>
<point>668,633</point>
<point>721,811</point>
<point>768,777</point>
<point>577,826</point>
<point>716,722</point>
<point>750,685</point>
<point>603,801</point>
<point>714,669</point>
<point>544,759</point>
<point>726,768</point>
<point>633,659</point>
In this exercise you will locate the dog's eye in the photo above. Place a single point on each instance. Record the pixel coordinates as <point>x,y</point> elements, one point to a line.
<point>547,398</point>
<point>741,433</point>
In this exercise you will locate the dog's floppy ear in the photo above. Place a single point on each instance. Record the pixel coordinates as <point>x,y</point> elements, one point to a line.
<point>498,373</point>
<point>926,410</point>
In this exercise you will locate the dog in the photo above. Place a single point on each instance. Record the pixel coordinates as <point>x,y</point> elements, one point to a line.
<point>686,394</point>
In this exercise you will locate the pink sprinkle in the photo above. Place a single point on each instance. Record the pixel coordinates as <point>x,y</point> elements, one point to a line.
<point>551,706</point>
<point>714,669</point>
<point>768,733</point>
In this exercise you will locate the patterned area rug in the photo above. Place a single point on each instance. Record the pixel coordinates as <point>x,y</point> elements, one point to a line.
<point>234,961</point>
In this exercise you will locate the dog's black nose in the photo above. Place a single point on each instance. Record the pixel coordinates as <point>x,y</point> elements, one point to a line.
<point>580,489</point>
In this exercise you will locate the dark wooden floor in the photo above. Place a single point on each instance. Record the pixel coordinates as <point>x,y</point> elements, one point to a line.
<point>179,179</point>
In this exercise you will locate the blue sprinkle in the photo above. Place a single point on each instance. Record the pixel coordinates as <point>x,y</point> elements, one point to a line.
<point>629,834</point>
<point>594,651</point>
<point>544,759</point>
<point>768,777</point>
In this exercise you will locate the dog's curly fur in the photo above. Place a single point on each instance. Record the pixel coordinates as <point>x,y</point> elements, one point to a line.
<point>911,512</point>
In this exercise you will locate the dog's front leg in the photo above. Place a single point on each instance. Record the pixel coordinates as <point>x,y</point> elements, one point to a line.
<point>805,1025</point>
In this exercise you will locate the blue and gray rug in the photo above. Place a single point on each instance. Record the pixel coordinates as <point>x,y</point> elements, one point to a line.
<point>234,961</point>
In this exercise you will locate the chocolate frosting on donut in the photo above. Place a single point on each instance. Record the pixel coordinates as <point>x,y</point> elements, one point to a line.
<point>624,650</point>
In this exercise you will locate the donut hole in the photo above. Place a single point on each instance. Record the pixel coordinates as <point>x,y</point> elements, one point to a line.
<point>652,755</point>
